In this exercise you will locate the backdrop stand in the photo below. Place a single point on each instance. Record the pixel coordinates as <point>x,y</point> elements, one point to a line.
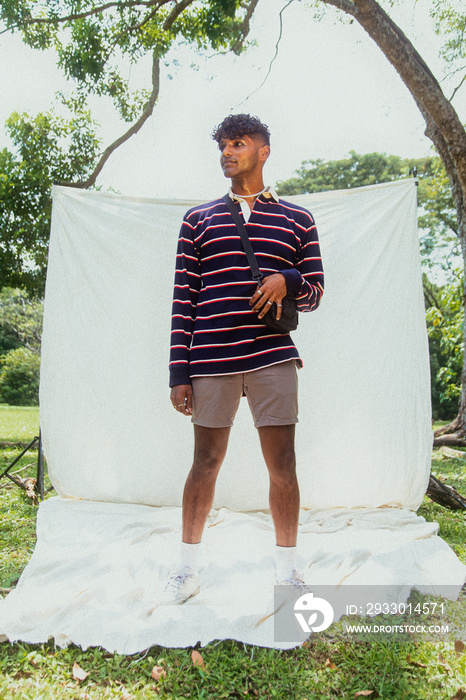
<point>29,485</point>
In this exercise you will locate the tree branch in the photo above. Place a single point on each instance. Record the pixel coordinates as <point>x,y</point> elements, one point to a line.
<point>148,109</point>
<point>246,26</point>
<point>430,296</point>
<point>177,10</point>
<point>457,88</point>
<point>128,30</point>
<point>345,5</point>
<point>89,13</point>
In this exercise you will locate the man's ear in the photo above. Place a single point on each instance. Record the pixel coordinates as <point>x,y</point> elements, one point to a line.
<point>264,152</point>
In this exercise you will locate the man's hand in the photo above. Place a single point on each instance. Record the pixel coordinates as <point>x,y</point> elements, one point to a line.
<point>272,289</point>
<point>181,397</point>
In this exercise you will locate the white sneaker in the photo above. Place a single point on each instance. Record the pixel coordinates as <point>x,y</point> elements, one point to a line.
<point>179,587</point>
<point>295,581</point>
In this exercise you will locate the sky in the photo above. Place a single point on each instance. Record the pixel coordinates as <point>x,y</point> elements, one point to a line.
<point>330,91</point>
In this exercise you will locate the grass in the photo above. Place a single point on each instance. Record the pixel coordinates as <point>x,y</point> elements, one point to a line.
<point>329,667</point>
<point>18,424</point>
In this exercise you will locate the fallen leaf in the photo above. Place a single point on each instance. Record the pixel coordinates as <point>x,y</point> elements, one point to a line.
<point>197,658</point>
<point>415,663</point>
<point>79,673</point>
<point>158,672</point>
<point>329,664</point>
<point>459,695</point>
<point>22,674</point>
<point>459,647</point>
<point>363,693</point>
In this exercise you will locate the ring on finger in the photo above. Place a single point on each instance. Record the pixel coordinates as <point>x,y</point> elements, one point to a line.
<point>270,303</point>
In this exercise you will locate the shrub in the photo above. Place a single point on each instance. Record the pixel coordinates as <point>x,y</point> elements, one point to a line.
<point>19,378</point>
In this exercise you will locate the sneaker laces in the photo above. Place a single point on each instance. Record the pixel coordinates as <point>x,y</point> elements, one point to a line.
<point>176,581</point>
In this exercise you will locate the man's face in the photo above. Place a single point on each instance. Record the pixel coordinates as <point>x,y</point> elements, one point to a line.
<point>242,156</point>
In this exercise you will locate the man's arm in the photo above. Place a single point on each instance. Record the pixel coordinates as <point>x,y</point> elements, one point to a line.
<point>185,294</point>
<point>305,280</point>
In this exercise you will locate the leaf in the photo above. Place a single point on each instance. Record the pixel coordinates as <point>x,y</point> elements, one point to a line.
<point>197,658</point>
<point>329,664</point>
<point>158,672</point>
<point>79,673</point>
<point>459,695</point>
<point>363,693</point>
<point>459,647</point>
<point>415,663</point>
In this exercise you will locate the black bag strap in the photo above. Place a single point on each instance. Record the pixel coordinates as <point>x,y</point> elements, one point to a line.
<point>256,273</point>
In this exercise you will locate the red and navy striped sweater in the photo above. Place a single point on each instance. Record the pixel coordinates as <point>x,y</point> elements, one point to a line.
<point>214,330</point>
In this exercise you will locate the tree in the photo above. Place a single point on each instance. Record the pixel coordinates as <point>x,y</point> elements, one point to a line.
<point>440,244</point>
<point>20,340</point>
<point>19,378</point>
<point>355,171</point>
<point>21,317</point>
<point>46,148</point>
<point>444,316</point>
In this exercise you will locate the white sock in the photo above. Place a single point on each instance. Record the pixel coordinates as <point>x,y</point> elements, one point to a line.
<point>189,555</point>
<point>285,562</point>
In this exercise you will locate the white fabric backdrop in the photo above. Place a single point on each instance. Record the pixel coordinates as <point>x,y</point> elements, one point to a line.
<point>109,430</point>
<point>111,435</point>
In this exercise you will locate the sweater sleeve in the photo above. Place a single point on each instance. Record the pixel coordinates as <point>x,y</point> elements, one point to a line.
<point>305,281</point>
<point>185,294</point>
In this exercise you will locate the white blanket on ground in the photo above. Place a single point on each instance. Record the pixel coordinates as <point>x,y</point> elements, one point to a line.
<point>112,439</point>
<point>97,568</point>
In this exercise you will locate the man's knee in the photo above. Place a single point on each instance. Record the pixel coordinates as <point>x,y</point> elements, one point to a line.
<point>283,467</point>
<point>209,449</point>
<point>207,460</point>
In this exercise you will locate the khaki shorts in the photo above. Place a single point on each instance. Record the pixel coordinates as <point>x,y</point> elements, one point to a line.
<point>272,393</point>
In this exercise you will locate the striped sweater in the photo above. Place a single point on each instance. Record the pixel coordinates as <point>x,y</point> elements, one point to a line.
<point>214,330</point>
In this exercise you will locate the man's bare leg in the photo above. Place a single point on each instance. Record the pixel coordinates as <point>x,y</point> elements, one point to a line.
<point>210,446</point>
<point>277,443</point>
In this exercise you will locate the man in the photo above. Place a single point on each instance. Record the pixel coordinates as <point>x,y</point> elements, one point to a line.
<point>221,349</point>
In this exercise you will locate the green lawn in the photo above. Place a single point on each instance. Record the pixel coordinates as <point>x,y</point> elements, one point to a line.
<point>330,666</point>
<point>18,424</point>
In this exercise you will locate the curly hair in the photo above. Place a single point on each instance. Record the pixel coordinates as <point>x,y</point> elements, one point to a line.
<point>237,125</point>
